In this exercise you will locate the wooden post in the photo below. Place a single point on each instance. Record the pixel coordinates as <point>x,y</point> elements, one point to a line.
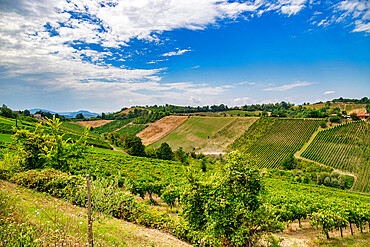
<point>89,220</point>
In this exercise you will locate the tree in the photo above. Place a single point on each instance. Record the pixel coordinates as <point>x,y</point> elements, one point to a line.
<point>7,112</point>
<point>354,117</point>
<point>289,163</point>
<point>230,206</point>
<point>116,139</point>
<point>80,116</point>
<point>58,151</point>
<point>26,113</point>
<point>30,145</point>
<point>322,124</point>
<point>46,146</point>
<point>134,146</point>
<point>334,119</point>
<point>164,152</point>
<point>181,155</point>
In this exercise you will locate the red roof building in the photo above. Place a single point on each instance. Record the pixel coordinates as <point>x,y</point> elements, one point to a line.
<point>363,115</point>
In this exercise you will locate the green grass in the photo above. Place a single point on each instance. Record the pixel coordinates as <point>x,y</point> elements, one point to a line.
<point>76,128</point>
<point>345,147</point>
<point>105,151</point>
<point>206,134</point>
<point>112,126</point>
<point>132,129</point>
<point>6,138</point>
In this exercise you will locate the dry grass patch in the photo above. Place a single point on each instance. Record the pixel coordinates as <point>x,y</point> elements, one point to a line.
<point>94,123</point>
<point>159,129</point>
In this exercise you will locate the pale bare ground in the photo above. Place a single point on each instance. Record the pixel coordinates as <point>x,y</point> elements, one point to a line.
<point>358,110</point>
<point>125,233</point>
<point>94,123</point>
<point>295,236</point>
<point>160,128</point>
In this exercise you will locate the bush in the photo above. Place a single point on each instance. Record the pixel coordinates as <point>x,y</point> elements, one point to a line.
<point>289,163</point>
<point>334,119</point>
<point>229,208</point>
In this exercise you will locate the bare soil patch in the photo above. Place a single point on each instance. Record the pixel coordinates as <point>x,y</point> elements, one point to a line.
<point>159,129</point>
<point>307,236</point>
<point>94,123</point>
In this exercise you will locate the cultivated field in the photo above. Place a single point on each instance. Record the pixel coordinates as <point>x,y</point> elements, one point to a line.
<point>345,147</point>
<point>273,140</point>
<point>94,123</point>
<point>210,135</point>
<point>159,129</point>
<point>131,129</point>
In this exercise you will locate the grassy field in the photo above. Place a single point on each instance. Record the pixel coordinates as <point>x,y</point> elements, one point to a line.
<point>112,126</point>
<point>132,129</point>
<point>76,128</point>
<point>345,147</point>
<point>6,138</point>
<point>206,134</point>
<point>36,218</point>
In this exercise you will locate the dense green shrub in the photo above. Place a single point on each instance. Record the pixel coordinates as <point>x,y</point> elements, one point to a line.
<point>230,207</point>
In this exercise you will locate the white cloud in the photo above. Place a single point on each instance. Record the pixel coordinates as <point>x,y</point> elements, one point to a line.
<point>350,12</point>
<point>175,53</point>
<point>29,52</point>
<point>243,101</point>
<point>289,86</point>
<point>329,92</point>
<point>245,82</point>
<point>28,49</point>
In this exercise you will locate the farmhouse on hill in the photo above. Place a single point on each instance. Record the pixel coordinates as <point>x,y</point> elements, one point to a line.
<point>363,116</point>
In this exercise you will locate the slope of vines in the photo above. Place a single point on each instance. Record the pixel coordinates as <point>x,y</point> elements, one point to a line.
<point>251,135</point>
<point>345,147</point>
<point>283,138</point>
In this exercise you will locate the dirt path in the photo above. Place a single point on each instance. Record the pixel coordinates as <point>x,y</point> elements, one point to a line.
<point>118,150</point>
<point>307,235</point>
<point>298,154</point>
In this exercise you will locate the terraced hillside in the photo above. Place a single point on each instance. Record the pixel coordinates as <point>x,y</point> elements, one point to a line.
<point>271,140</point>
<point>345,147</point>
<point>210,135</point>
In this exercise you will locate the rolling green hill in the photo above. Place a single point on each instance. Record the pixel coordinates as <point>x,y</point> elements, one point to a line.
<point>345,147</point>
<point>206,134</point>
<point>270,140</point>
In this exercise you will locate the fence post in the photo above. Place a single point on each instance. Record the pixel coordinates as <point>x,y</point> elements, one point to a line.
<point>90,233</point>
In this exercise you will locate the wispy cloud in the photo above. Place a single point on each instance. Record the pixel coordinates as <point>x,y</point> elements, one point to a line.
<point>329,92</point>
<point>289,86</point>
<point>175,53</point>
<point>195,67</point>
<point>245,82</point>
<point>349,12</point>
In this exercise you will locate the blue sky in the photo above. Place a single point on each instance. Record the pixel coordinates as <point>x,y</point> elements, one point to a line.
<point>104,55</point>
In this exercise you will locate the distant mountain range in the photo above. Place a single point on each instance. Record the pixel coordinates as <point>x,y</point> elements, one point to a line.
<point>86,114</point>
